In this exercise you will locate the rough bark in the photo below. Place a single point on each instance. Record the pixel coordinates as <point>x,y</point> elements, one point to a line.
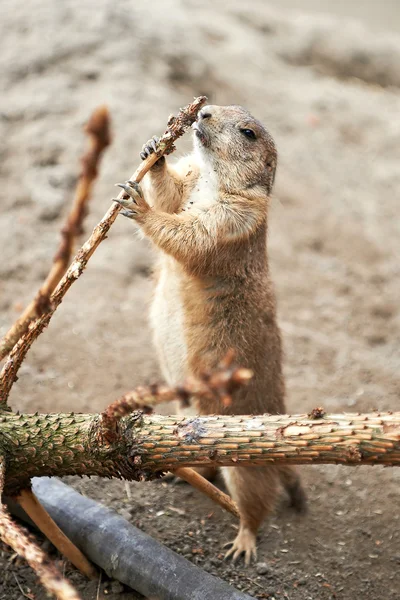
<point>145,445</point>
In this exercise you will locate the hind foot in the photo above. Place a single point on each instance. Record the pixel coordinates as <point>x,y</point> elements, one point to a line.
<point>244,544</point>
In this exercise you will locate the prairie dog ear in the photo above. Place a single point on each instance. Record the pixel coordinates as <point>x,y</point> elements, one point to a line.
<point>271,170</point>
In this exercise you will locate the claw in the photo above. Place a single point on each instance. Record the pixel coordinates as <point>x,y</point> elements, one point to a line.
<point>147,150</point>
<point>132,188</point>
<point>128,213</point>
<point>228,545</point>
<point>124,187</point>
<point>149,147</point>
<point>235,553</point>
<point>136,186</point>
<point>125,203</point>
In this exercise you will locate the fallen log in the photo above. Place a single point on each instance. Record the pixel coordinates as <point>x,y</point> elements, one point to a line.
<point>143,445</point>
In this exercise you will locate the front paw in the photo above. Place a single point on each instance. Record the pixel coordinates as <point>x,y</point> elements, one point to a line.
<point>149,148</point>
<point>135,206</point>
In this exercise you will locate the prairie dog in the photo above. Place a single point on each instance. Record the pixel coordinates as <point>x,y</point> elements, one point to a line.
<point>207,215</point>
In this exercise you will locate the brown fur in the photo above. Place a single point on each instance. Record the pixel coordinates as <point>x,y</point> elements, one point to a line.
<point>214,260</point>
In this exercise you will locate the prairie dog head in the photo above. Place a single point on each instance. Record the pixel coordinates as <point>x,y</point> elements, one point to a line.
<point>240,149</point>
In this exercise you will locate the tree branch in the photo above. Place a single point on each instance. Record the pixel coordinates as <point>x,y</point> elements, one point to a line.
<point>24,544</point>
<point>176,128</point>
<point>98,130</point>
<point>68,444</point>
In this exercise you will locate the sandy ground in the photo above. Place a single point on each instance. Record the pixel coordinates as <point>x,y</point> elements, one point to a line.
<point>329,92</point>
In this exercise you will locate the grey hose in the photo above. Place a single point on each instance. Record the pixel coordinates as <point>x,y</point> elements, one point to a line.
<point>126,553</point>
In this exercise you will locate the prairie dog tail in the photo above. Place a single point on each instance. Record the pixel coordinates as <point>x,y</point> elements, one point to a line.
<point>291,482</point>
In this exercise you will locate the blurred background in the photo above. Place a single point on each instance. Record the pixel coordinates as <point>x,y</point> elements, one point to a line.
<point>377,16</point>
<point>324,77</point>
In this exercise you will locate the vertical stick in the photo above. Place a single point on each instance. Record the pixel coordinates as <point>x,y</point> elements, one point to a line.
<point>28,501</point>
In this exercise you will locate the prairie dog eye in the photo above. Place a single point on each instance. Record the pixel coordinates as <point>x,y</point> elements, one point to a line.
<point>249,133</point>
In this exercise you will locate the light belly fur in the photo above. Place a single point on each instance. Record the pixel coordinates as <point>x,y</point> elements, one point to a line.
<point>167,312</point>
<point>166,319</point>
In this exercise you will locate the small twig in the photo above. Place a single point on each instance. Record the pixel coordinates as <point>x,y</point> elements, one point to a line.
<point>142,398</point>
<point>98,130</point>
<point>24,545</point>
<point>207,488</point>
<point>98,587</point>
<point>128,490</point>
<point>20,588</point>
<point>28,501</point>
<point>219,384</point>
<point>176,128</point>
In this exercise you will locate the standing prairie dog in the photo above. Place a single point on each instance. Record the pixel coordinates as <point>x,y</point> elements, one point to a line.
<point>207,215</point>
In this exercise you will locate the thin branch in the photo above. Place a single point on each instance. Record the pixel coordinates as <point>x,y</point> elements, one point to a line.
<point>24,545</point>
<point>28,501</point>
<point>176,128</point>
<point>98,130</point>
<point>219,384</point>
<point>207,488</point>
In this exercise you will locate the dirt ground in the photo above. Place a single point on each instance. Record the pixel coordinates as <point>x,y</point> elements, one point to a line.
<point>328,90</point>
